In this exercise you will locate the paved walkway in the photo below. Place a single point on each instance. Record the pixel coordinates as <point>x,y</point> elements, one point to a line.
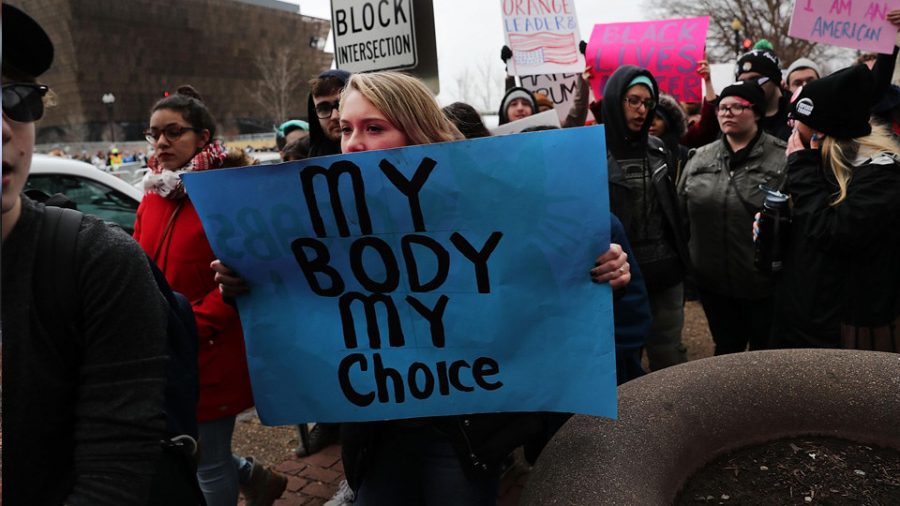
<point>313,480</point>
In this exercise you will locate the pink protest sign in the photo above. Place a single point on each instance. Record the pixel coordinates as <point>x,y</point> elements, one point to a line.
<point>670,49</point>
<point>846,23</point>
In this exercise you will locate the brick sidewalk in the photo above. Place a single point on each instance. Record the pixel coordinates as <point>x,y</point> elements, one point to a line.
<point>313,480</point>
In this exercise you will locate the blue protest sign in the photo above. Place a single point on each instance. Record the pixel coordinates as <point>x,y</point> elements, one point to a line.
<point>430,280</point>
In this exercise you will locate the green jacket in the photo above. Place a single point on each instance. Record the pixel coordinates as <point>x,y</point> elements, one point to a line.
<point>720,205</point>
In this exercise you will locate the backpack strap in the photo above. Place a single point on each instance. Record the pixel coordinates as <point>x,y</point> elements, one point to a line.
<point>166,236</point>
<point>56,200</point>
<point>55,272</point>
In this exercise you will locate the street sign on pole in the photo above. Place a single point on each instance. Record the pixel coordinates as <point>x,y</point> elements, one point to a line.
<point>373,35</point>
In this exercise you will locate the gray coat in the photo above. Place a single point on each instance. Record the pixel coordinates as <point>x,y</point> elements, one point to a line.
<point>720,205</point>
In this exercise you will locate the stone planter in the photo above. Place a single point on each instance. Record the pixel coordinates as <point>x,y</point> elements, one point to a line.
<point>673,422</point>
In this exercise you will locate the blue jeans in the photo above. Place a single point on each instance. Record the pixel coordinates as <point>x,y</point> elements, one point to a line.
<point>419,467</point>
<point>220,472</point>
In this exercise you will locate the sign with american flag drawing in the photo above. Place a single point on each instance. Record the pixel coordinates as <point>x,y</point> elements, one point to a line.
<point>543,36</point>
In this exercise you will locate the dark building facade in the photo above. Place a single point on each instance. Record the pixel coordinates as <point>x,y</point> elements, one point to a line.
<point>138,50</point>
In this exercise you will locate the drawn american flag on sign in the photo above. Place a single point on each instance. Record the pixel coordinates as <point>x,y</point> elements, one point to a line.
<point>543,47</point>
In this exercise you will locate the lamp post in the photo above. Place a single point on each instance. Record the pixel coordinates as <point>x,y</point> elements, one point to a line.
<point>737,26</point>
<point>109,100</point>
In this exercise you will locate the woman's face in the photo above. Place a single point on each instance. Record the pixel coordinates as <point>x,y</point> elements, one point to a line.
<point>365,128</point>
<point>658,127</point>
<point>175,150</point>
<point>735,123</point>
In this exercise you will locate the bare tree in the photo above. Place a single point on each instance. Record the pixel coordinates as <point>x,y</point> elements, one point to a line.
<point>281,74</point>
<point>465,86</point>
<point>493,78</point>
<point>760,19</point>
<point>481,85</point>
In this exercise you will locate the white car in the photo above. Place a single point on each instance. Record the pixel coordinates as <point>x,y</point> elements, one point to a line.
<point>94,191</point>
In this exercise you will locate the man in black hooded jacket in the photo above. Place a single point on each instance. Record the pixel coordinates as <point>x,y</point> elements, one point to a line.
<point>642,195</point>
<point>324,98</point>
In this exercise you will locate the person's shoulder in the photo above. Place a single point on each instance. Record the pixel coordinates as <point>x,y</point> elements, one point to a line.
<point>775,142</point>
<point>657,150</point>
<point>711,148</point>
<point>706,153</point>
<point>101,240</point>
<point>883,167</point>
<point>655,144</point>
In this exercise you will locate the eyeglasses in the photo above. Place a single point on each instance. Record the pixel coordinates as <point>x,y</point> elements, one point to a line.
<point>323,109</point>
<point>24,102</point>
<point>636,103</point>
<point>172,133</point>
<point>734,109</point>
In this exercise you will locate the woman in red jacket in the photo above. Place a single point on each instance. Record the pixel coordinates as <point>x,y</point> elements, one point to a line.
<point>182,132</point>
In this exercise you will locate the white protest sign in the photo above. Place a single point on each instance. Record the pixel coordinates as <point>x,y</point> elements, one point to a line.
<point>546,118</point>
<point>373,35</point>
<point>543,36</point>
<point>560,88</point>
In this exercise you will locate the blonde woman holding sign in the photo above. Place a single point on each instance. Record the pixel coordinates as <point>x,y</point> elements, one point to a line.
<point>442,460</point>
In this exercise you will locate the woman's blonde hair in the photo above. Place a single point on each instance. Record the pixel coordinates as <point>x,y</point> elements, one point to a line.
<point>407,103</point>
<point>839,154</point>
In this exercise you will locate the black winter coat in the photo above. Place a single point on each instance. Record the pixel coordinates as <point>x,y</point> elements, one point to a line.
<point>622,144</point>
<point>843,261</point>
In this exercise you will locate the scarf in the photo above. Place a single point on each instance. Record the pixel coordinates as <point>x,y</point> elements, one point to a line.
<point>167,183</point>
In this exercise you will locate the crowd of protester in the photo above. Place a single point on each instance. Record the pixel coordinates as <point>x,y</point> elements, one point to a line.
<point>111,159</point>
<point>688,184</point>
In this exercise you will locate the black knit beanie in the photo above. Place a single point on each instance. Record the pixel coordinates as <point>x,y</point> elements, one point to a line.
<point>749,91</point>
<point>762,61</point>
<point>838,105</point>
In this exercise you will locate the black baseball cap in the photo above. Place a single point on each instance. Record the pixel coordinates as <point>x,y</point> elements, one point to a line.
<point>26,47</point>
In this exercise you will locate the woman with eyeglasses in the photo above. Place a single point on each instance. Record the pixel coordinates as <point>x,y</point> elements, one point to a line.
<point>720,191</point>
<point>642,195</point>
<point>183,135</point>
<point>840,284</point>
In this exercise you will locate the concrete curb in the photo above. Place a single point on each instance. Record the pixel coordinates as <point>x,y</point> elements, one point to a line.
<point>674,421</point>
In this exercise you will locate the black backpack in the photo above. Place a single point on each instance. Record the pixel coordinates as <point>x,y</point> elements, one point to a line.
<point>175,481</point>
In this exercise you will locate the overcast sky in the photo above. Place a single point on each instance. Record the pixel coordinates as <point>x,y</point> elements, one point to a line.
<point>470,31</point>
